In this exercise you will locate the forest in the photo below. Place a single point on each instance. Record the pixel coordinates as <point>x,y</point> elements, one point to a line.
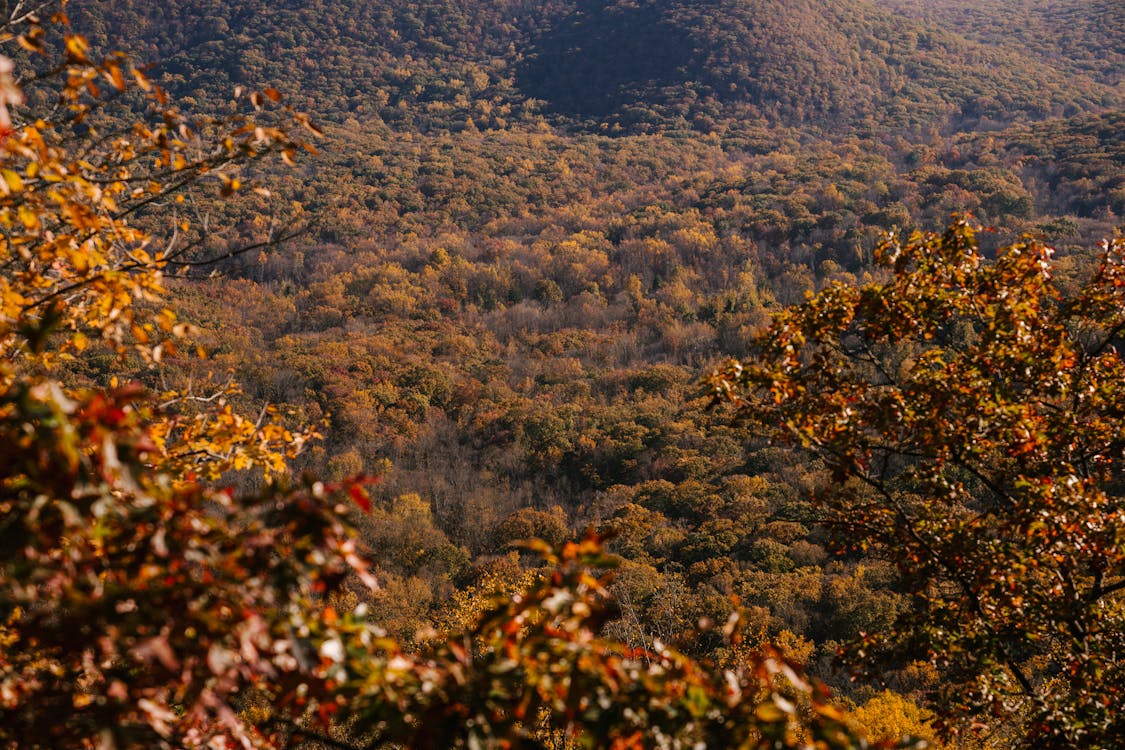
<point>562,374</point>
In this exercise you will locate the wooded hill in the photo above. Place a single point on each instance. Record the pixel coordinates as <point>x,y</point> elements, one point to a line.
<point>639,65</point>
<point>1072,35</point>
<point>535,225</point>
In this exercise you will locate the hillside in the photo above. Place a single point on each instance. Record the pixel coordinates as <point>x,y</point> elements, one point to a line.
<point>843,62</point>
<point>532,226</point>
<point>638,66</point>
<point>1085,37</point>
<point>506,316</point>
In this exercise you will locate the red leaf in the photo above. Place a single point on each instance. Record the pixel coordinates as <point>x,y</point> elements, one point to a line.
<point>359,495</point>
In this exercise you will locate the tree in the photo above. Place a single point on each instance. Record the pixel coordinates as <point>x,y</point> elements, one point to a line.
<point>137,605</point>
<point>889,714</point>
<point>971,410</point>
<point>536,671</point>
<point>143,608</point>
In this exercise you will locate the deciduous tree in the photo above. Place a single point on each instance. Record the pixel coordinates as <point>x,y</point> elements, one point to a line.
<point>972,409</point>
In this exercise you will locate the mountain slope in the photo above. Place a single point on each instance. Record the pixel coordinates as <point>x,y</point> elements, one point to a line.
<point>1085,37</point>
<point>642,65</point>
<point>797,62</point>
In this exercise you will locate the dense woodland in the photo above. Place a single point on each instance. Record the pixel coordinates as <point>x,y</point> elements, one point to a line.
<point>529,229</point>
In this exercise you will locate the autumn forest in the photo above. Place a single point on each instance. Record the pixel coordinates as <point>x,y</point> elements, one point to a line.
<point>562,374</point>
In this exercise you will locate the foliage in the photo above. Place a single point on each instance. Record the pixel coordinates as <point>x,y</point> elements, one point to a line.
<point>1074,34</point>
<point>184,616</point>
<point>136,612</point>
<point>889,715</point>
<point>137,604</point>
<point>82,269</point>
<point>506,317</point>
<point>971,412</point>
<point>74,185</point>
<point>537,667</point>
<point>503,315</point>
<point>140,608</point>
<point>417,322</point>
<point>622,67</point>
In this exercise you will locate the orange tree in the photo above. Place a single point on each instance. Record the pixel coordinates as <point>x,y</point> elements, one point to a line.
<point>972,409</point>
<point>142,608</point>
<point>135,603</point>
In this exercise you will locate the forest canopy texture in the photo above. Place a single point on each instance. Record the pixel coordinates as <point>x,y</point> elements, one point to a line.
<point>143,608</point>
<point>441,374</point>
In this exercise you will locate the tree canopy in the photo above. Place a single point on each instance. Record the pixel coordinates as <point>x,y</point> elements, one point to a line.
<point>145,605</point>
<point>970,407</point>
<point>503,314</point>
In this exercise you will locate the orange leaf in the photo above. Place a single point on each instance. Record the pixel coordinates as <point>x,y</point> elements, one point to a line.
<point>113,73</point>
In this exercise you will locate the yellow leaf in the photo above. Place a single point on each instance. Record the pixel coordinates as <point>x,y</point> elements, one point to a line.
<point>28,217</point>
<point>30,44</point>
<point>80,261</point>
<point>12,180</point>
<point>769,713</point>
<point>77,47</point>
